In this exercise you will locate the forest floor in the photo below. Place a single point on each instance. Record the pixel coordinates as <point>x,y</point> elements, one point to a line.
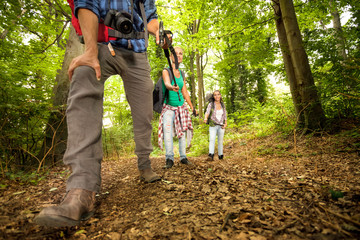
<point>265,188</point>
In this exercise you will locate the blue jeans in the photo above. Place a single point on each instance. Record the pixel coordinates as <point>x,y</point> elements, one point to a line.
<point>213,131</point>
<point>168,127</point>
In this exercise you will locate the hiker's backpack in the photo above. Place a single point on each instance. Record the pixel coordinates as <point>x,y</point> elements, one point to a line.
<point>158,96</point>
<point>102,32</point>
<point>106,33</point>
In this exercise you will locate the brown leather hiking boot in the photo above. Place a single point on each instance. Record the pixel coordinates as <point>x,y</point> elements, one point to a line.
<point>78,205</point>
<point>149,176</point>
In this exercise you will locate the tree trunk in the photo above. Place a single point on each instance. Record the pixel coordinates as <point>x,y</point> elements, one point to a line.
<point>192,78</point>
<point>310,104</point>
<point>289,68</point>
<point>200,84</point>
<point>193,28</point>
<point>54,144</point>
<point>339,36</point>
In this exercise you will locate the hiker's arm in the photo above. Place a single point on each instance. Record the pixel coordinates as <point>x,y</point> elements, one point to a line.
<point>186,95</point>
<point>207,112</point>
<point>206,117</point>
<point>89,26</point>
<point>167,82</point>
<point>225,120</point>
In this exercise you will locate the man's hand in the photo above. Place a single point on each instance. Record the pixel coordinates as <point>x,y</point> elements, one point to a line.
<point>153,28</point>
<point>86,59</point>
<point>165,45</point>
<point>89,26</point>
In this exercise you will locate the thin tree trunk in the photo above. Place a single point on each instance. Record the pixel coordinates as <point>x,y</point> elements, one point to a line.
<point>192,78</point>
<point>54,144</point>
<point>339,36</point>
<point>200,84</point>
<point>313,113</point>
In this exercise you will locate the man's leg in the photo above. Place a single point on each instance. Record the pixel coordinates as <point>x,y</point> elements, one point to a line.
<point>139,87</point>
<point>84,150</point>
<point>83,154</point>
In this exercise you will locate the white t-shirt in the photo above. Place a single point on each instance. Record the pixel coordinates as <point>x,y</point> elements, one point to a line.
<point>219,114</point>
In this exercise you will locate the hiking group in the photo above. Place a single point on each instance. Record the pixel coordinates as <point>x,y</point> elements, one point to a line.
<point>115,34</point>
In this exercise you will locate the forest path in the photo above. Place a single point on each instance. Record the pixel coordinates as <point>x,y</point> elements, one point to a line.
<point>259,191</point>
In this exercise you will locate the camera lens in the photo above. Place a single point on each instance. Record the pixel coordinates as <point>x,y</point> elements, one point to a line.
<point>124,26</point>
<point>123,23</point>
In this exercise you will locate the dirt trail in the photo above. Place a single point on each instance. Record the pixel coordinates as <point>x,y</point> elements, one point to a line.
<point>259,191</point>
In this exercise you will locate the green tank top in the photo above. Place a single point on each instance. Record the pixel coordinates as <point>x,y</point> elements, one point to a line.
<point>173,99</point>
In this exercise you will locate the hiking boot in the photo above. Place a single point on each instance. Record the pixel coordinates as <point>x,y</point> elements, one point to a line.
<point>211,157</point>
<point>185,161</point>
<point>221,157</point>
<point>149,176</point>
<point>169,163</point>
<point>78,205</point>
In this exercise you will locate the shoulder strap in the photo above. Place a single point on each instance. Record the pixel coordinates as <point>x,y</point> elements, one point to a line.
<point>143,15</point>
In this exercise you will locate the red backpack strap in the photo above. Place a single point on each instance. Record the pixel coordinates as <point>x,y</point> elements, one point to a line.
<point>74,20</point>
<point>103,35</point>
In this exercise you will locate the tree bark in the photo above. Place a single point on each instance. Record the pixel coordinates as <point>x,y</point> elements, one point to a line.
<point>54,144</point>
<point>200,84</point>
<point>339,36</point>
<point>192,78</point>
<point>289,68</point>
<point>310,104</point>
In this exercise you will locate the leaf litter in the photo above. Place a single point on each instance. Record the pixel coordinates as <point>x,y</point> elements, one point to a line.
<point>309,191</point>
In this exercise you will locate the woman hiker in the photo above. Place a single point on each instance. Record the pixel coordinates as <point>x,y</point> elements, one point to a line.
<point>215,116</point>
<point>175,113</point>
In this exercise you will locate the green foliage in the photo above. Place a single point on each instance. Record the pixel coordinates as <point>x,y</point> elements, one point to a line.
<point>337,78</point>
<point>118,140</point>
<point>237,40</point>
<point>25,177</point>
<point>31,52</point>
<point>276,115</point>
<point>118,136</point>
<point>200,141</point>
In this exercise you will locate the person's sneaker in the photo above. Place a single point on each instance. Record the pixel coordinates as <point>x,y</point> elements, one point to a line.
<point>221,157</point>
<point>185,161</point>
<point>149,176</point>
<point>169,163</point>
<point>211,157</point>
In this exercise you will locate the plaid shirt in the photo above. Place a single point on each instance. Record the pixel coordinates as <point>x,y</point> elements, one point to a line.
<point>101,7</point>
<point>213,115</point>
<point>182,123</point>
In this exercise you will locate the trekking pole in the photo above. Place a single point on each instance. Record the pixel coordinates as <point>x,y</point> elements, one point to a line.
<point>163,35</point>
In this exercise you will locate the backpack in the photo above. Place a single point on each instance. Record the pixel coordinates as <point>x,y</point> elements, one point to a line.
<point>106,33</point>
<point>158,96</point>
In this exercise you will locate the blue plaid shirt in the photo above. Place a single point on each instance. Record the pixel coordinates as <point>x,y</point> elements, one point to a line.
<point>101,7</point>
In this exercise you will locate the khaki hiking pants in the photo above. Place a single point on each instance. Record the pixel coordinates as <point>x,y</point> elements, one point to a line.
<point>85,112</point>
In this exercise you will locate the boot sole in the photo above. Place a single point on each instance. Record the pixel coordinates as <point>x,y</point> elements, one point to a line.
<point>60,221</point>
<point>154,179</point>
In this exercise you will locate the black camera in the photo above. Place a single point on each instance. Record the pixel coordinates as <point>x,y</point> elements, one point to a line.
<point>120,21</point>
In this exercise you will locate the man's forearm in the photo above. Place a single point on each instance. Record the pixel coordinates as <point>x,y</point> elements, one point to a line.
<point>89,28</point>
